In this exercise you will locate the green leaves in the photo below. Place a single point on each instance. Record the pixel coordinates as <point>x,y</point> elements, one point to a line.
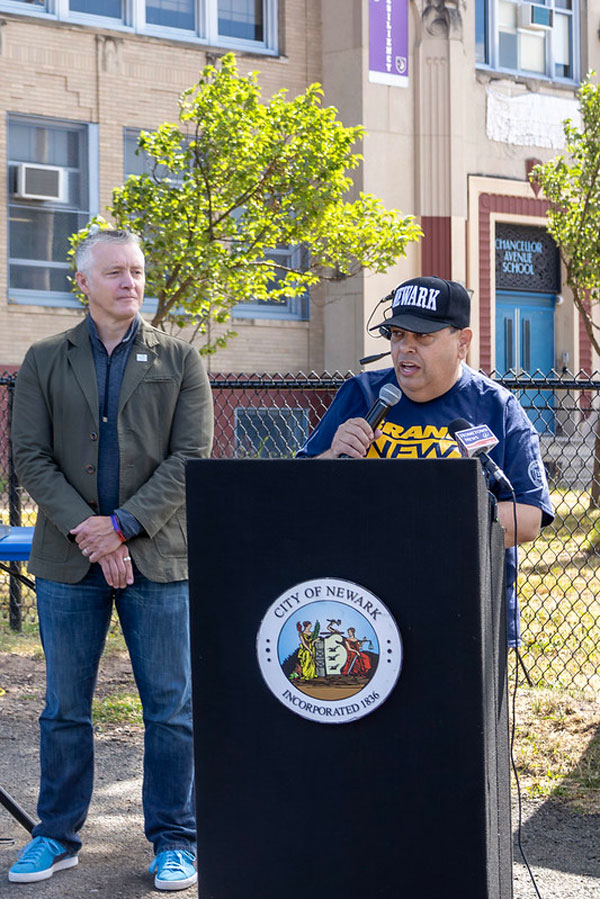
<point>571,183</point>
<point>238,177</point>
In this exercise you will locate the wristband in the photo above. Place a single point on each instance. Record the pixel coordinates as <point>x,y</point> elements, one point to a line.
<point>117,527</point>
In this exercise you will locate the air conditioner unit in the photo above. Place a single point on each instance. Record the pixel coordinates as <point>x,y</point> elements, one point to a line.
<point>536,17</point>
<point>41,182</point>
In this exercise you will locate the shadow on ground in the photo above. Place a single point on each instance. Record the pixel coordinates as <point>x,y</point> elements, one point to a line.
<point>561,839</point>
<point>115,857</point>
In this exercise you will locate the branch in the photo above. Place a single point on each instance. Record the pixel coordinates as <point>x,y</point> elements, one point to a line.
<point>204,174</point>
<point>251,191</point>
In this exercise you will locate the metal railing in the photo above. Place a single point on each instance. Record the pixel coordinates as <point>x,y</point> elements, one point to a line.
<point>270,416</point>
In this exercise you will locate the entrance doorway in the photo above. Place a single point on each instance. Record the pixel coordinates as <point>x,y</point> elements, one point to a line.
<point>525,346</point>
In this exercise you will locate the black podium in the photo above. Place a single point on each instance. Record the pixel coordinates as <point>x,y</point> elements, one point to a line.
<point>410,800</point>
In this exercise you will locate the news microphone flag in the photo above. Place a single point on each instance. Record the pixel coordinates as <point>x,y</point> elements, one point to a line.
<point>476,440</point>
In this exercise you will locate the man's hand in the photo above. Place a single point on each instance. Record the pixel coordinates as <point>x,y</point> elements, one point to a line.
<point>117,568</point>
<point>96,537</point>
<point>353,438</point>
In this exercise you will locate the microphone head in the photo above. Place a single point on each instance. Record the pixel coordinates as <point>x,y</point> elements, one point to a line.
<point>459,424</point>
<point>390,394</point>
<point>472,441</point>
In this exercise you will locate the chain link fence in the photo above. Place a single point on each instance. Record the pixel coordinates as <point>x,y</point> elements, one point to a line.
<point>269,416</point>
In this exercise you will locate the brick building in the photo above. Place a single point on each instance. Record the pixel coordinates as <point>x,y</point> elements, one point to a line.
<point>457,98</point>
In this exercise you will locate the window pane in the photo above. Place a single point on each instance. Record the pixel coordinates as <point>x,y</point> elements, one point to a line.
<point>508,57</point>
<point>38,4</point>
<point>39,277</point>
<point>134,164</point>
<point>508,50</point>
<point>78,188</point>
<point>113,9</point>
<point>242,19</point>
<point>171,13</point>
<point>42,234</point>
<point>562,46</point>
<point>507,16</point>
<point>43,144</point>
<point>481,29</point>
<point>532,52</point>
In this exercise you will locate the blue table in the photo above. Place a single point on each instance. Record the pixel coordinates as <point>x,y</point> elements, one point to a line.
<point>15,545</point>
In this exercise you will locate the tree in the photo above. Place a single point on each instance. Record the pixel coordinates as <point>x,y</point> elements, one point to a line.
<point>238,177</point>
<point>571,183</point>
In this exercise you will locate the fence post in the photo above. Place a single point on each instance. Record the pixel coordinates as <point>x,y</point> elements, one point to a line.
<point>15,614</point>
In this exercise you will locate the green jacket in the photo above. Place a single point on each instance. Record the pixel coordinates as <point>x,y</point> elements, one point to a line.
<point>165,417</point>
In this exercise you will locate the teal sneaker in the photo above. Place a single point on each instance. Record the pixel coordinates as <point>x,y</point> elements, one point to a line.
<point>39,860</point>
<point>175,869</point>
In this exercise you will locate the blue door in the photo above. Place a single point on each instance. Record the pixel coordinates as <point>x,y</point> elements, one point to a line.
<point>525,346</point>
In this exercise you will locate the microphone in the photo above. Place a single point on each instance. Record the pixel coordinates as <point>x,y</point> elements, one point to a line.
<point>367,359</point>
<point>475,442</point>
<point>389,395</point>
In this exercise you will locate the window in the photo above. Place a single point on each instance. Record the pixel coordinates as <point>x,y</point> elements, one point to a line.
<point>236,24</point>
<point>295,308</point>
<point>269,433</point>
<point>49,167</point>
<point>536,39</point>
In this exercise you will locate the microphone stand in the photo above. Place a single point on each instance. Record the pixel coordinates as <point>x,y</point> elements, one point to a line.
<point>18,813</point>
<point>20,577</point>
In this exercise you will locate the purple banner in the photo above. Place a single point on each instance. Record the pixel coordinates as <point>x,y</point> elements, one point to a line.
<point>388,42</point>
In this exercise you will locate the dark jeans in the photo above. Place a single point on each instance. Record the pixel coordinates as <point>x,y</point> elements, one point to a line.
<point>74,620</point>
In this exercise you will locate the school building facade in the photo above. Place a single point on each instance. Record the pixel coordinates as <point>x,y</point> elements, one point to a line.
<point>459,100</point>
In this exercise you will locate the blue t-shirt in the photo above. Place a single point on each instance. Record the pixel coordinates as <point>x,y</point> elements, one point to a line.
<point>420,431</point>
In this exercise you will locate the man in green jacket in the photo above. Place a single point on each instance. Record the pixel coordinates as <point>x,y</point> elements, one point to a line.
<point>105,416</point>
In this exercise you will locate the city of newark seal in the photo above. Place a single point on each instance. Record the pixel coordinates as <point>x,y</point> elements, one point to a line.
<point>329,650</point>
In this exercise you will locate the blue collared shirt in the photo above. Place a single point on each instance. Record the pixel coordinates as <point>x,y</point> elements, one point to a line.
<point>109,378</point>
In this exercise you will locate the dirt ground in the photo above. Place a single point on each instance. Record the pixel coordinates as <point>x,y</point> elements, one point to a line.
<point>562,846</point>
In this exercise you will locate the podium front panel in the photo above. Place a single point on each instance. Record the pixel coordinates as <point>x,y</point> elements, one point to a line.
<point>410,800</point>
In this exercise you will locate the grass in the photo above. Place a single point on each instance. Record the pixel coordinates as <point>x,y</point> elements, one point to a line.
<point>113,710</point>
<point>557,747</point>
<point>557,737</point>
<point>27,643</point>
<point>559,590</point>
<point>119,709</point>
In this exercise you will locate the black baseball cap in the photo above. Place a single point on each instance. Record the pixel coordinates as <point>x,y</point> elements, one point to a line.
<point>425,305</point>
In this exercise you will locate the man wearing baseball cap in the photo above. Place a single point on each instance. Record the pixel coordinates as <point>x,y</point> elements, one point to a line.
<point>429,334</point>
